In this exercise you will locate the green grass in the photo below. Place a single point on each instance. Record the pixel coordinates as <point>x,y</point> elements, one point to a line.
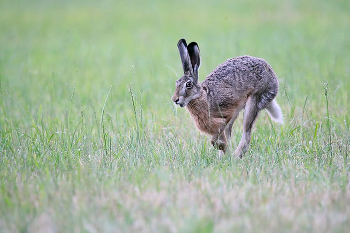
<point>91,142</point>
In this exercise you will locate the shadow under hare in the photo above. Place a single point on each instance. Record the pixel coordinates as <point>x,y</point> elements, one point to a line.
<point>214,104</point>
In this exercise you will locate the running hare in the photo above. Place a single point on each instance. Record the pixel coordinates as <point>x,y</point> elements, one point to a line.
<point>242,82</point>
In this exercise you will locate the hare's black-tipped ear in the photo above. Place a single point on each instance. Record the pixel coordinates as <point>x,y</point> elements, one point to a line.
<point>185,58</point>
<point>193,51</point>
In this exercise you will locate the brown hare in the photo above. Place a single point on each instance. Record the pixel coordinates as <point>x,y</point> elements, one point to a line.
<point>241,82</point>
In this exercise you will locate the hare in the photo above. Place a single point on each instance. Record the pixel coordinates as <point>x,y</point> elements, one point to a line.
<point>214,104</point>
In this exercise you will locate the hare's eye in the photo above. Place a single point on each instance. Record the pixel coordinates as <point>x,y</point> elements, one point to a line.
<point>189,84</point>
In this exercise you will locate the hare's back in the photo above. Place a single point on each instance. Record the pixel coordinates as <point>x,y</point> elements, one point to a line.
<point>242,72</point>
<point>229,85</point>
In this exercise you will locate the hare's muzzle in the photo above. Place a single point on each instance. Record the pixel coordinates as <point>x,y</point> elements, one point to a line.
<point>177,101</point>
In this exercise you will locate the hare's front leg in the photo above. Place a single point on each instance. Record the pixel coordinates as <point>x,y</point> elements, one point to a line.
<point>221,138</point>
<point>228,127</point>
<point>218,140</point>
<point>251,111</point>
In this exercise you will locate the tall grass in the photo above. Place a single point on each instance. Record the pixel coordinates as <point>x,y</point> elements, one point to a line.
<point>91,142</point>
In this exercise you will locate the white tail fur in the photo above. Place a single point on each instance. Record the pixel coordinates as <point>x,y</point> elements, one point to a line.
<point>275,112</point>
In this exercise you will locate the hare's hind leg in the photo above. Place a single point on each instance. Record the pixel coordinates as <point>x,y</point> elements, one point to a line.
<point>251,111</point>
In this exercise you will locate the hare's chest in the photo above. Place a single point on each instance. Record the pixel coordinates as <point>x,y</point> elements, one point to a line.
<point>202,122</point>
<point>205,122</point>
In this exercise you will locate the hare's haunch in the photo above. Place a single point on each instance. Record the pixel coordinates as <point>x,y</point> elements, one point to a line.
<point>241,82</point>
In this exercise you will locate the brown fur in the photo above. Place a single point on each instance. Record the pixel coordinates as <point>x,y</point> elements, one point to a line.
<point>241,82</point>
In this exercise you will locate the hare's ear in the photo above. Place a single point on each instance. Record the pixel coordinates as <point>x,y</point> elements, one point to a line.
<point>185,58</point>
<point>193,51</point>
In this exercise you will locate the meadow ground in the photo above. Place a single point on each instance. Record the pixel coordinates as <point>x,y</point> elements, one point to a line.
<point>91,142</point>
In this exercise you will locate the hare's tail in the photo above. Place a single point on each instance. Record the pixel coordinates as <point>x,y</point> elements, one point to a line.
<point>275,112</point>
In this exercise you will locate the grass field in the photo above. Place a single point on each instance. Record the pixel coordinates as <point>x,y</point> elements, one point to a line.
<point>90,140</point>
